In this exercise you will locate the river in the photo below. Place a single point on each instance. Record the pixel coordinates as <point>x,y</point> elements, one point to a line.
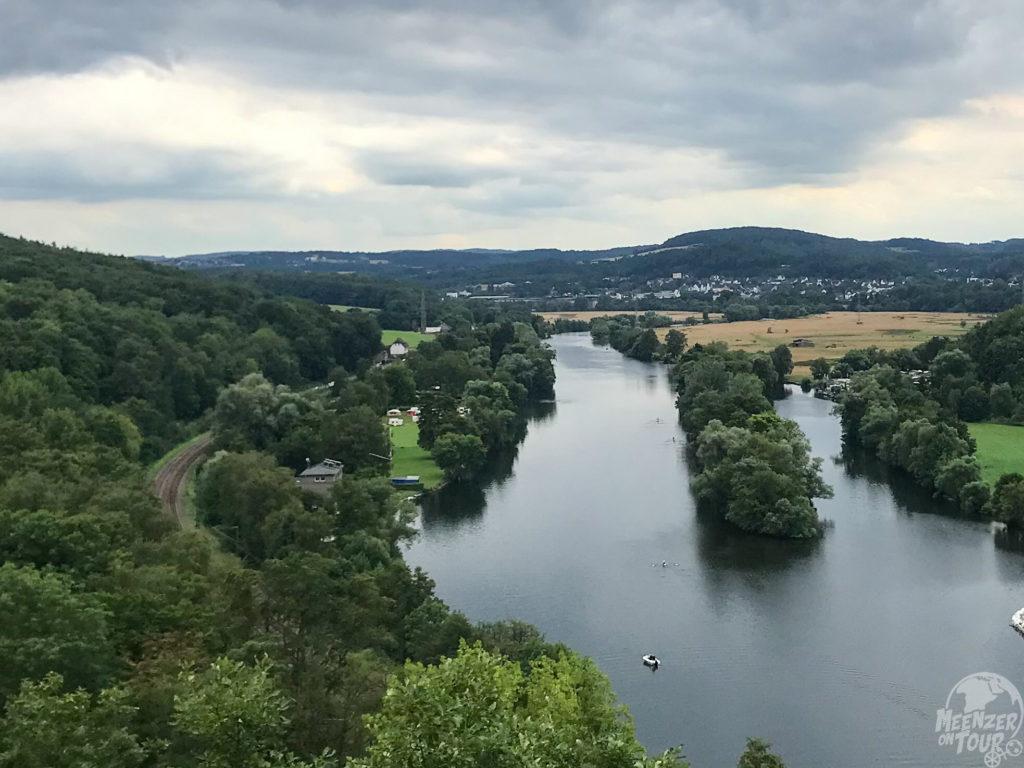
<point>838,651</point>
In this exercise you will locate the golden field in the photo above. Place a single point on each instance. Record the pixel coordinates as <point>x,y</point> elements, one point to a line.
<point>590,315</point>
<point>834,333</point>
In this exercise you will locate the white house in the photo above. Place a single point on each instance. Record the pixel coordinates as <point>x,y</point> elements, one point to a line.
<point>398,348</point>
<point>395,422</point>
<point>394,412</point>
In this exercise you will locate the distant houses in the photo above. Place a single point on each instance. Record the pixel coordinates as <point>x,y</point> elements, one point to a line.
<point>321,477</point>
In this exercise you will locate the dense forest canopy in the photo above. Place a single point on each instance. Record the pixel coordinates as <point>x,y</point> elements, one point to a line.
<point>157,343</point>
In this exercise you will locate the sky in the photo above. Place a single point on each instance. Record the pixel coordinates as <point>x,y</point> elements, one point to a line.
<point>186,126</point>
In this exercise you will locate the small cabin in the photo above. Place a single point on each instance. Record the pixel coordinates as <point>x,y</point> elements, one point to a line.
<point>321,477</point>
<point>801,343</point>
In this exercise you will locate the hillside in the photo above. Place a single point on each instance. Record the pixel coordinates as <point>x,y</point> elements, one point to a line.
<point>734,252</point>
<point>158,343</point>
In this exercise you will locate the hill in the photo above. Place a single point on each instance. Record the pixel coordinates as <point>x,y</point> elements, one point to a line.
<point>734,252</point>
<point>157,343</point>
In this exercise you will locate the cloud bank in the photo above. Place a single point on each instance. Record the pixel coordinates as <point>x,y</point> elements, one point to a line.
<point>373,125</point>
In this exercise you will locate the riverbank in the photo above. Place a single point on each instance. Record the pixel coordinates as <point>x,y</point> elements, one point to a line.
<point>571,537</point>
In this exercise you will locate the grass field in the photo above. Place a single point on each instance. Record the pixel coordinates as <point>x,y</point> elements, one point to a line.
<point>407,458</point>
<point>411,338</point>
<point>1000,449</point>
<point>588,316</point>
<point>834,333</point>
<point>346,308</point>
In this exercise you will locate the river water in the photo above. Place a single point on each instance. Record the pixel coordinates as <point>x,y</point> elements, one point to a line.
<point>838,651</point>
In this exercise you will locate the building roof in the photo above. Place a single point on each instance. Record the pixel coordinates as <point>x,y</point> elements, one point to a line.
<point>325,467</point>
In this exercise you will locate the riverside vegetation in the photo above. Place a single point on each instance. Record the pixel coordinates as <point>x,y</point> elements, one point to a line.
<point>918,423</point>
<point>755,469</point>
<point>262,638</point>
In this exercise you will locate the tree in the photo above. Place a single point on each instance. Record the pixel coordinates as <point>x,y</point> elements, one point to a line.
<point>758,756</point>
<point>782,359</point>
<point>675,343</point>
<point>49,625</point>
<point>955,475</point>
<point>459,455</point>
<point>237,717</point>
<point>401,384</point>
<point>479,709</point>
<point>237,493</point>
<point>820,368</point>
<point>760,477</point>
<point>1007,502</point>
<point>1002,401</point>
<point>44,727</point>
<point>645,346</point>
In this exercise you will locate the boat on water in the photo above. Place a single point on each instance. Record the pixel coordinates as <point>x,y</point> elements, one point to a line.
<point>650,660</point>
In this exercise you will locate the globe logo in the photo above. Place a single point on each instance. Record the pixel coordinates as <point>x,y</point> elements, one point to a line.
<point>982,716</point>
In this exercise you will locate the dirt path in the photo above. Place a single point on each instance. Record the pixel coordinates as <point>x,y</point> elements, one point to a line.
<point>172,480</point>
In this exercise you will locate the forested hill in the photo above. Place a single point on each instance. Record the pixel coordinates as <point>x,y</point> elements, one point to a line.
<point>385,262</point>
<point>753,251</point>
<point>736,252</point>
<point>158,343</point>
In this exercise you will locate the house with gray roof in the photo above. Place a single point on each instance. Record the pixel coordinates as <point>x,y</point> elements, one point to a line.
<point>321,477</point>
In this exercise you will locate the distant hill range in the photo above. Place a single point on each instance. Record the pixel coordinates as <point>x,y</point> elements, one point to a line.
<point>735,252</point>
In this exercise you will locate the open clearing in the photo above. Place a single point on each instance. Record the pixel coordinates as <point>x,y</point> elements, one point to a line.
<point>346,308</point>
<point>407,458</point>
<point>590,315</point>
<point>834,333</point>
<point>412,338</point>
<point>1000,449</point>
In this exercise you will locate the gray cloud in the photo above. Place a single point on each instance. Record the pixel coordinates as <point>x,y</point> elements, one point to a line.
<point>130,173</point>
<point>414,171</point>
<point>786,90</point>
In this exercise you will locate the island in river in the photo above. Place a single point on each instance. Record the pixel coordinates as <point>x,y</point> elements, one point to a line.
<point>839,651</point>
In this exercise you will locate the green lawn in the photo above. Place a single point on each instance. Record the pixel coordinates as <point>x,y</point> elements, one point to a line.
<point>411,338</point>
<point>407,458</point>
<point>1000,449</point>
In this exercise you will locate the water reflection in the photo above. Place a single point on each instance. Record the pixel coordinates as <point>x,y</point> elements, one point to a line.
<point>838,651</point>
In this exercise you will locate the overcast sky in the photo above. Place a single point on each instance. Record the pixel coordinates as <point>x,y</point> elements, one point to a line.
<point>201,125</point>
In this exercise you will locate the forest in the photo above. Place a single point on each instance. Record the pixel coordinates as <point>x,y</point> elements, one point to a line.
<point>284,629</point>
<point>911,408</point>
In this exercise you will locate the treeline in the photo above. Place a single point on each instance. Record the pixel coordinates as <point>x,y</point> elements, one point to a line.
<point>755,469</point>
<point>635,336</point>
<point>473,383</point>
<point>910,407</point>
<point>157,344</point>
<point>399,302</point>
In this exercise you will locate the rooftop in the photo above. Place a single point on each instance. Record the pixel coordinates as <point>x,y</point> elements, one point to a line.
<point>325,467</point>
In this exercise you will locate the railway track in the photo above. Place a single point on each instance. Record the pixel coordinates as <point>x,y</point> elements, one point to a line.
<point>171,482</point>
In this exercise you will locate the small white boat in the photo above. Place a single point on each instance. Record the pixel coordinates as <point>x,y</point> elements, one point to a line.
<point>650,660</point>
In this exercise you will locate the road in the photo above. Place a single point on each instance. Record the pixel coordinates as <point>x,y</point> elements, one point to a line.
<point>171,481</point>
